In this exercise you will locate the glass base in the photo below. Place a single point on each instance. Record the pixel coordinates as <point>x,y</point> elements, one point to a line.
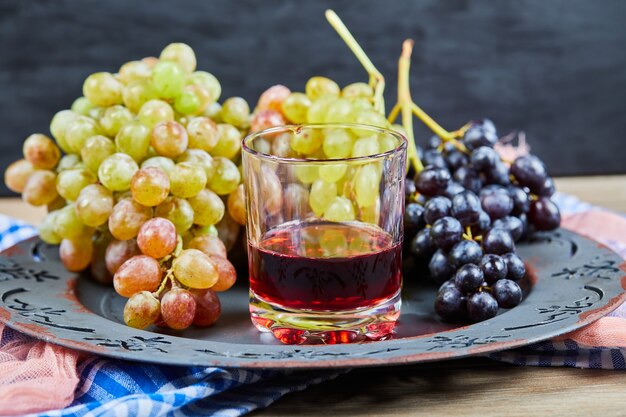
<point>323,327</point>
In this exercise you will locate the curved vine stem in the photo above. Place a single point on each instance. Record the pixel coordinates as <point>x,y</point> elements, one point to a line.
<point>376,79</point>
<point>405,103</point>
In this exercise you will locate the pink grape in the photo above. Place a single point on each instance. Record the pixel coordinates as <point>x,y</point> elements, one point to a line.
<point>139,273</point>
<point>178,308</point>
<point>118,252</point>
<point>141,310</point>
<point>208,307</point>
<point>157,237</point>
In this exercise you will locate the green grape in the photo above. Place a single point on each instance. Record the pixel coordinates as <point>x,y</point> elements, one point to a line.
<point>371,118</point>
<point>168,79</point>
<point>399,129</point>
<point>281,146</point>
<point>361,104</point>
<point>208,207</point>
<point>202,133</point>
<point>78,130</point>
<point>214,112</point>
<point>41,151</point>
<point>127,217</point>
<point>333,243</point>
<point>366,146</point>
<point>96,149</point>
<point>358,90</point>
<point>181,54</point>
<point>134,71</point>
<point>194,269</point>
<point>387,143</point>
<point>169,139</point>
<point>226,177</point>
<point>114,118</point>
<point>94,205</point>
<point>165,164</point>
<point>235,111</point>
<point>76,254</point>
<point>71,181</point>
<point>199,157</point>
<point>150,186</point>
<point>139,273</point>
<point>116,171</point>
<point>262,146</point>
<point>371,214</point>
<point>102,89</point>
<point>187,180</point>
<point>307,141</point>
<point>340,209</point>
<point>178,211</point>
<point>317,87</point>
<point>208,81</point>
<point>96,113</point>
<point>83,106</point>
<point>178,308</point>
<point>295,107</point>
<point>40,188</point>
<point>339,111</point>
<point>306,174</point>
<point>332,172</point>
<point>17,174</point>
<point>229,141</point>
<point>337,143</point>
<point>321,195</point>
<point>193,100</point>
<point>154,112</point>
<point>46,229</point>
<point>68,225</point>
<point>136,94</point>
<point>317,110</point>
<point>141,310</point>
<point>366,185</point>
<point>134,140</point>
<point>237,205</point>
<point>56,204</point>
<point>69,161</point>
<point>59,125</point>
<point>209,244</point>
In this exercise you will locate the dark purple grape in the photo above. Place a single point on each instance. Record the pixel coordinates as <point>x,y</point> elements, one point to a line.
<point>521,200</point>
<point>420,155</point>
<point>481,306</point>
<point>451,304</point>
<point>436,208</point>
<point>453,189</point>
<point>422,245</point>
<point>514,266</point>
<point>446,232</point>
<point>513,224</point>
<point>486,124</point>
<point>498,174</point>
<point>477,136</point>
<point>432,180</point>
<point>413,217</point>
<point>434,142</point>
<point>483,224</point>
<point>497,203</point>
<point>409,188</point>
<point>434,158</point>
<point>507,293</point>
<point>544,214</point>
<point>455,159</point>
<point>498,241</point>
<point>439,267</point>
<point>465,252</point>
<point>529,171</point>
<point>484,158</point>
<point>468,278</point>
<point>494,268</point>
<point>466,208</point>
<point>547,189</point>
<point>449,283</point>
<point>468,178</point>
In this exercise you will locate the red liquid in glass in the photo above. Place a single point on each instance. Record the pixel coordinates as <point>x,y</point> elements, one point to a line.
<point>325,266</point>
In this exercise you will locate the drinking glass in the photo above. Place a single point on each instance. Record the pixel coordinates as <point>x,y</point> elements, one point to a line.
<point>324,233</point>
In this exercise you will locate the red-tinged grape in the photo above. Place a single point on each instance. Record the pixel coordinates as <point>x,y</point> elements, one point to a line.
<point>266,119</point>
<point>141,310</point>
<point>98,267</point>
<point>118,252</point>
<point>228,231</point>
<point>157,237</point>
<point>41,151</point>
<point>169,139</point>
<point>150,186</point>
<point>127,217</point>
<point>208,307</point>
<point>17,174</point>
<point>178,308</point>
<point>40,189</point>
<point>139,273</point>
<point>296,201</point>
<point>227,276</point>
<point>237,205</point>
<point>178,211</point>
<point>76,254</point>
<point>202,133</point>
<point>194,269</point>
<point>273,97</point>
<point>209,245</point>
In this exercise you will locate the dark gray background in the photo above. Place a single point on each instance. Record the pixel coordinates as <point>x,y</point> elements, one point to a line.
<point>555,69</point>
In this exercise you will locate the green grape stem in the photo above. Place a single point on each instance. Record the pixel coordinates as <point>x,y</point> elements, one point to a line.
<point>376,79</point>
<point>405,102</point>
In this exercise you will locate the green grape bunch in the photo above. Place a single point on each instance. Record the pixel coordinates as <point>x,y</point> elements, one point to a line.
<point>144,147</point>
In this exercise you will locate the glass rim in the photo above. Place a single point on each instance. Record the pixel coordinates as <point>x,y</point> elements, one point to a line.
<point>403,142</point>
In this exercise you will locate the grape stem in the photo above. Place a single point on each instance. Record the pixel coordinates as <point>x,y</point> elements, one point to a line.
<point>169,276</point>
<point>376,79</point>
<point>405,101</point>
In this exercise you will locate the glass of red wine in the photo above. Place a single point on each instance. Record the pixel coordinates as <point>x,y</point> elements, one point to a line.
<point>325,206</point>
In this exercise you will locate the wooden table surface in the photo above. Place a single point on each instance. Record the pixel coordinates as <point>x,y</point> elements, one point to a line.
<point>466,387</point>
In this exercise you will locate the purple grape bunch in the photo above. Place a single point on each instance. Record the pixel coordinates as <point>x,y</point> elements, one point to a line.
<point>465,211</point>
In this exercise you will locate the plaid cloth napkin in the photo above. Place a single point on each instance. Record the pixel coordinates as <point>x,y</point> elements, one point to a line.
<point>101,386</point>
